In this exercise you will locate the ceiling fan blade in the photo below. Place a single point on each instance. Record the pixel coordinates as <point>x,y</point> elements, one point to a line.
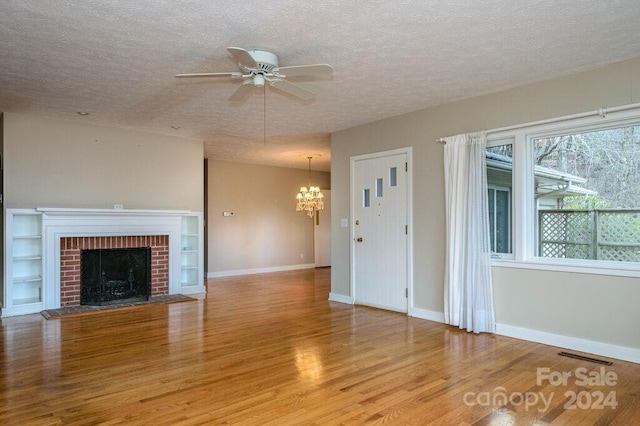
<point>242,56</point>
<point>293,89</point>
<point>242,92</point>
<point>211,74</point>
<point>315,69</point>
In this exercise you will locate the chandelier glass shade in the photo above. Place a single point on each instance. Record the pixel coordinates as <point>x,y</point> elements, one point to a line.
<point>310,198</point>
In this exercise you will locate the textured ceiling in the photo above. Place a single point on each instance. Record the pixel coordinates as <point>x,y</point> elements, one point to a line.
<point>117,59</point>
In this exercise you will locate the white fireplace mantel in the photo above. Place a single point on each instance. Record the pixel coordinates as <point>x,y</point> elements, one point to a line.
<point>64,222</point>
<point>57,211</point>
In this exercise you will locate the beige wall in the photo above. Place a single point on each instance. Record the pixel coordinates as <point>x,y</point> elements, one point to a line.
<point>59,163</point>
<point>1,207</point>
<point>592,307</point>
<point>265,231</point>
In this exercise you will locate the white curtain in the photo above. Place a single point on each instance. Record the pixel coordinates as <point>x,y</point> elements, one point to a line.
<point>468,291</point>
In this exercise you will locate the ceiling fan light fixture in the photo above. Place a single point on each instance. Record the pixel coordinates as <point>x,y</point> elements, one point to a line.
<point>258,80</point>
<point>257,66</point>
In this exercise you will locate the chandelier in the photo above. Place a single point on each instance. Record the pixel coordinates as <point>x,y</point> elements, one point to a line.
<point>309,198</point>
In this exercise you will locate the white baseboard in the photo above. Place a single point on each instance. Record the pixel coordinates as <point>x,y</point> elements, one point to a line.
<point>426,314</point>
<point>233,273</point>
<point>573,343</point>
<point>341,298</point>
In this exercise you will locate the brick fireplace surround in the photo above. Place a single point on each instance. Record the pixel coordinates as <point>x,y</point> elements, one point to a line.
<point>70,262</point>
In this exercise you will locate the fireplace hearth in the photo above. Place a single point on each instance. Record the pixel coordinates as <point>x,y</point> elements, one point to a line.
<point>115,276</point>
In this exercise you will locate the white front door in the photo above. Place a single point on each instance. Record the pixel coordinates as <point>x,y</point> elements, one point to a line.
<point>380,231</point>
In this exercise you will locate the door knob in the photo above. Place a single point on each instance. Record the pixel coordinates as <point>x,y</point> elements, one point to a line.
<point>359,239</point>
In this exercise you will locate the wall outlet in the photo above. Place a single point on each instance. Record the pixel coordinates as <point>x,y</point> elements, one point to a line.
<point>117,206</point>
<point>228,214</point>
<point>301,255</point>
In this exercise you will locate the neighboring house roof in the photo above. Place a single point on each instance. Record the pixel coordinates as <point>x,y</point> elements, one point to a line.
<point>549,182</point>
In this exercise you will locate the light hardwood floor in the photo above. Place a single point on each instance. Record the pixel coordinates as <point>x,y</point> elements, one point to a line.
<point>271,349</point>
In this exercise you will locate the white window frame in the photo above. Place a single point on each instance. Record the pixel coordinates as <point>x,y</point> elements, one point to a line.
<point>497,188</point>
<point>498,141</point>
<point>522,194</point>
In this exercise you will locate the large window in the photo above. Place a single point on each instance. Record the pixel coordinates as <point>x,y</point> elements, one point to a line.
<point>588,194</point>
<point>568,192</point>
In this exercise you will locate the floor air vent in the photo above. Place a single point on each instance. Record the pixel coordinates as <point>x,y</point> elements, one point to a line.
<point>585,358</point>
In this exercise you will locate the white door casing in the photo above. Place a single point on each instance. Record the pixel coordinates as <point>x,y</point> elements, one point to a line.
<point>380,218</point>
<point>322,233</point>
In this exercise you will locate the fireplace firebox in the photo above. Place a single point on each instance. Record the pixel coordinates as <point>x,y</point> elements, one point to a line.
<point>115,276</point>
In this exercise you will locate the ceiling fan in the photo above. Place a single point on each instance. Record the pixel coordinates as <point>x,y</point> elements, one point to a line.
<point>259,66</point>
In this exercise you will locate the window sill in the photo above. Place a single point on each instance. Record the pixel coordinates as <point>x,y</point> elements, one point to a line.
<point>617,269</point>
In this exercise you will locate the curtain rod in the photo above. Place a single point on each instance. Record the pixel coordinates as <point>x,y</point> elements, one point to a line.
<point>602,112</point>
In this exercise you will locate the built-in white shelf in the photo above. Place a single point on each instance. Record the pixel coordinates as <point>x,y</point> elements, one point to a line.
<point>26,301</point>
<point>27,279</point>
<point>32,252</point>
<point>18,258</point>
<point>192,252</point>
<point>24,263</point>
